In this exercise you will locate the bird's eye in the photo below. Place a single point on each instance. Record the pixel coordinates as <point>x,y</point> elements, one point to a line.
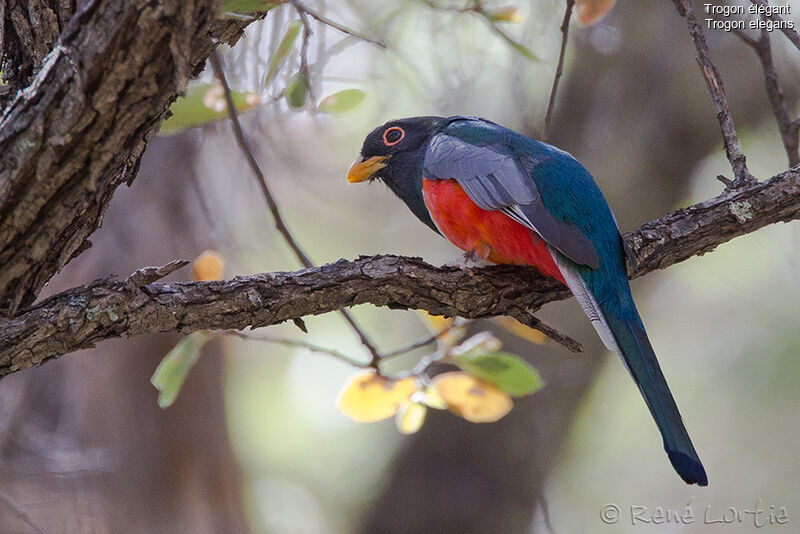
<point>393,135</point>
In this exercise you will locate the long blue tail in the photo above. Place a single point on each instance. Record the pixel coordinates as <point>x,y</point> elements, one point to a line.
<point>641,361</point>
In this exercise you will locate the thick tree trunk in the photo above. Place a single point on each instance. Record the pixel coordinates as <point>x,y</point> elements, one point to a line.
<point>77,132</point>
<point>83,445</point>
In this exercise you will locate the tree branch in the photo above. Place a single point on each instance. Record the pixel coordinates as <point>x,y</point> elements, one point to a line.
<point>733,148</point>
<point>303,10</point>
<point>77,132</point>
<point>109,308</point>
<point>790,134</point>
<point>28,31</point>
<point>790,33</point>
<point>298,343</point>
<point>476,6</point>
<point>548,116</point>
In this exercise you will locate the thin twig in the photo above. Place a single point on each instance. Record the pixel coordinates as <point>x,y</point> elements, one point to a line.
<point>305,261</point>
<point>513,43</point>
<point>205,209</point>
<point>427,362</point>
<point>298,343</point>
<point>375,356</point>
<point>304,71</point>
<point>420,370</point>
<point>741,34</point>
<point>558,337</point>
<point>420,343</point>
<point>787,127</point>
<point>412,346</point>
<point>302,9</point>
<point>477,7</point>
<point>790,33</point>
<point>241,140</point>
<point>340,355</point>
<point>18,509</point>
<point>570,4</point>
<point>212,222</point>
<point>733,148</point>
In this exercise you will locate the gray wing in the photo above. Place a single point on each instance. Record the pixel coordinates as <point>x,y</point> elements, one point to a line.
<point>497,181</point>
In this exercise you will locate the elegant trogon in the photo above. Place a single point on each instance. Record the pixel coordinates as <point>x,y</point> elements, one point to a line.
<point>506,198</point>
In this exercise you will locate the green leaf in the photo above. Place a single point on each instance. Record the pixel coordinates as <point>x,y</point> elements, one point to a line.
<point>296,91</point>
<point>203,103</point>
<point>285,46</point>
<point>503,370</point>
<point>519,47</point>
<point>173,369</point>
<point>342,101</point>
<point>247,6</point>
<point>522,49</point>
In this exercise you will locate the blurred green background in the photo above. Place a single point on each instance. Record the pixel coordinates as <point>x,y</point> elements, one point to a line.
<point>254,441</point>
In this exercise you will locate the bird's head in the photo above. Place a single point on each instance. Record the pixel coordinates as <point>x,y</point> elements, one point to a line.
<point>394,153</point>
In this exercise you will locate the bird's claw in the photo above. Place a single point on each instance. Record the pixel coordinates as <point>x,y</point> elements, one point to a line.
<point>468,261</point>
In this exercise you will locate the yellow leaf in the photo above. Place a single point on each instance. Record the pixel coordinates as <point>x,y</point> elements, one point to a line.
<point>368,397</point>
<point>507,14</point>
<point>208,266</point>
<point>592,11</point>
<point>431,398</point>
<point>410,417</point>
<point>437,323</point>
<point>520,330</point>
<point>472,399</point>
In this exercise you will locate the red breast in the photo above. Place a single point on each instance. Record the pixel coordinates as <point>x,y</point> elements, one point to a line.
<point>491,234</point>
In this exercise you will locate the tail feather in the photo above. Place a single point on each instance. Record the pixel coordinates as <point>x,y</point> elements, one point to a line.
<point>640,359</point>
<point>626,336</point>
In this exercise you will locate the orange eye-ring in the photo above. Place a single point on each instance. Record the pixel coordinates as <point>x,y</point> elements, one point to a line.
<point>393,135</point>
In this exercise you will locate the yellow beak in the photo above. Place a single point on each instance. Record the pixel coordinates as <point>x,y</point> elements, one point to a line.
<point>362,169</point>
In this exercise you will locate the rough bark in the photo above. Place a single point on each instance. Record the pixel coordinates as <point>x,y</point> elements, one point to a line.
<point>700,228</point>
<point>110,308</point>
<point>28,31</point>
<point>84,447</point>
<point>77,132</point>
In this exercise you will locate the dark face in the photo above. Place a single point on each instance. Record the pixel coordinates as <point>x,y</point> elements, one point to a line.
<point>394,154</point>
<point>391,148</point>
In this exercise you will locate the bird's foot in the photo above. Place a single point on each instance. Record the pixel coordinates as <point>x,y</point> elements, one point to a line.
<point>468,261</point>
